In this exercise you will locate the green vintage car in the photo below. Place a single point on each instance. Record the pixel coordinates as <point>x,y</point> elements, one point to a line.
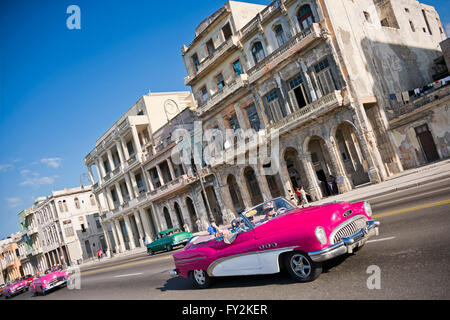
<point>167,240</point>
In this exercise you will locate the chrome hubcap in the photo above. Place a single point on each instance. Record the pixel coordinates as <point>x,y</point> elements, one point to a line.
<point>300,265</point>
<point>199,277</point>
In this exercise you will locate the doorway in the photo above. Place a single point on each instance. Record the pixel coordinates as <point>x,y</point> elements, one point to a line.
<point>426,141</point>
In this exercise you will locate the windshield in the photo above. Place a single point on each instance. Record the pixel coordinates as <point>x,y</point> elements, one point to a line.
<point>267,211</point>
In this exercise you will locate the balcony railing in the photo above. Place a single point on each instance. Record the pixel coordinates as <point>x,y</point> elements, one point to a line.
<point>323,104</point>
<point>213,59</point>
<point>169,188</point>
<point>237,83</point>
<point>297,43</point>
<point>399,110</point>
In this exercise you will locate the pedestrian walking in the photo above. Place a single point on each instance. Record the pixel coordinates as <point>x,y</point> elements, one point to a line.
<point>98,255</point>
<point>304,196</point>
<point>299,196</point>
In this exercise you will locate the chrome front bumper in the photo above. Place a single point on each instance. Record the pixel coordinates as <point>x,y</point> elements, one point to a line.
<point>346,245</point>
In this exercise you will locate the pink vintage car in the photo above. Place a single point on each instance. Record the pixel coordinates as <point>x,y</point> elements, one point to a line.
<point>276,234</point>
<point>52,279</point>
<point>15,288</point>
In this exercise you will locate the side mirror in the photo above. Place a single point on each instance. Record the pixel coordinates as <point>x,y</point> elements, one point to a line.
<point>229,238</point>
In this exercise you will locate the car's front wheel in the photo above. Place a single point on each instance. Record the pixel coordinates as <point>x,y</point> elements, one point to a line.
<point>200,279</point>
<point>169,247</point>
<point>301,267</point>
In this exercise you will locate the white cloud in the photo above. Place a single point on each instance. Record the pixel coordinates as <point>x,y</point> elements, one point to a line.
<point>52,162</point>
<point>24,172</point>
<point>13,202</point>
<point>5,167</point>
<point>38,181</point>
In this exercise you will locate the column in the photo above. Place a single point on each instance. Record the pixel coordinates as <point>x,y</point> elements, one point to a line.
<point>229,213</point>
<point>134,186</point>
<point>120,236</point>
<point>285,179</point>
<point>126,219</point>
<point>244,193</point>
<point>108,241</point>
<point>136,140</point>
<point>137,218</point>
<point>110,159</point>
<point>119,193</point>
<point>264,187</point>
<point>120,152</point>
<point>100,170</point>
<point>343,182</point>
<point>148,178</point>
<point>147,186</point>
<point>115,237</point>
<point>146,224</point>
<point>161,180</point>
<point>91,176</point>
<point>314,189</point>
<point>108,199</point>
<point>172,172</point>
<point>131,190</point>
<point>126,154</point>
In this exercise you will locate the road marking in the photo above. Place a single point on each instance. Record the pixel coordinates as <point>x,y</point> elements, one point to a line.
<point>429,205</point>
<point>128,275</point>
<point>378,240</point>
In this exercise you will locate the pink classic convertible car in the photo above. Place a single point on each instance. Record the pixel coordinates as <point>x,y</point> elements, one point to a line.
<point>50,280</point>
<point>276,234</point>
<point>15,288</point>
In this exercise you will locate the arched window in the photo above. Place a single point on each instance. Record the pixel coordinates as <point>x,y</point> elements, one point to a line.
<point>305,17</point>
<point>77,203</point>
<point>258,52</point>
<point>280,35</point>
<point>65,205</point>
<point>92,198</point>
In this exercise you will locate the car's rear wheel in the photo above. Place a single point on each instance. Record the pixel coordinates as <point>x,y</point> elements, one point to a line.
<point>301,267</point>
<point>150,252</point>
<point>200,279</point>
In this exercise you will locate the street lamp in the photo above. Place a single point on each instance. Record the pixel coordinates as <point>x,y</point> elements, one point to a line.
<point>171,108</point>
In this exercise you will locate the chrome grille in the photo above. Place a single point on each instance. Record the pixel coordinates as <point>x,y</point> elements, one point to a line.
<point>348,229</point>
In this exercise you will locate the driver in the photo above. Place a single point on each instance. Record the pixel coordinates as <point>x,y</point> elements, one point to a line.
<point>268,211</point>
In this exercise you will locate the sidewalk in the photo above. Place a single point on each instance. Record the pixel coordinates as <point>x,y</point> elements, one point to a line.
<point>408,179</point>
<point>116,257</point>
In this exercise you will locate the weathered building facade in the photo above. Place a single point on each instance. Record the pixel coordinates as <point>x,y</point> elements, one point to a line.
<point>318,74</point>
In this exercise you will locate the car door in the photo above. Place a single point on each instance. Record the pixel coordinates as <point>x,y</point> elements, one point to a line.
<point>238,258</point>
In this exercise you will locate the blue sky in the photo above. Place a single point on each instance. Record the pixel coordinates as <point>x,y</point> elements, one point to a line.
<point>61,89</point>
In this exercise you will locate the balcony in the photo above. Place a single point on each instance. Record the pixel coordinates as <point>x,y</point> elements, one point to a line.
<point>31,230</point>
<point>233,86</point>
<point>173,186</point>
<point>126,206</point>
<point>310,111</point>
<point>213,60</point>
<point>299,42</point>
<point>398,112</point>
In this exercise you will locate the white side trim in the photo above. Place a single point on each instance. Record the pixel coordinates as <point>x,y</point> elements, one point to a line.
<point>258,262</point>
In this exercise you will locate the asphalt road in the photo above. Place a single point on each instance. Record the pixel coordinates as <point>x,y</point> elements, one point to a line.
<point>411,254</point>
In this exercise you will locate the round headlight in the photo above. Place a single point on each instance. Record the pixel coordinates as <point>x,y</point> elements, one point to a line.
<point>321,235</point>
<point>368,209</point>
